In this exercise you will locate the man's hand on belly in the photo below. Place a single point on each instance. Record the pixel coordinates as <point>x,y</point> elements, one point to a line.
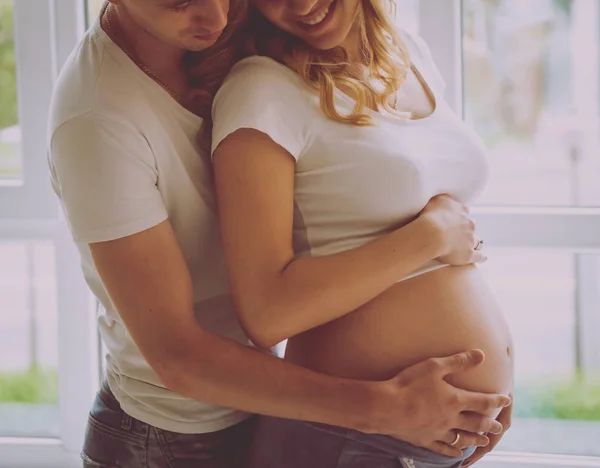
<point>504,418</point>
<point>429,412</point>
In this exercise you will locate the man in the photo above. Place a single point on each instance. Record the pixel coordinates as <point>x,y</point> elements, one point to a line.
<point>182,379</point>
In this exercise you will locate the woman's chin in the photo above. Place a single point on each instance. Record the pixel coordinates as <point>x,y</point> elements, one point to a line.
<point>325,43</point>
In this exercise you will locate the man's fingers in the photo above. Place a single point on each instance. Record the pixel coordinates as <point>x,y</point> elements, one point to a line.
<point>479,453</point>
<point>460,362</point>
<point>483,403</point>
<point>476,423</point>
<point>505,419</point>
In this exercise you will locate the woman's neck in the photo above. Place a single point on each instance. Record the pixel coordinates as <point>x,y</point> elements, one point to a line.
<point>352,45</point>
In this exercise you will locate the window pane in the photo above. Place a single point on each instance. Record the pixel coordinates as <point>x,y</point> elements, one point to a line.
<point>551,304</point>
<point>10,134</point>
<point>531,91</point>
<point>28,340</point>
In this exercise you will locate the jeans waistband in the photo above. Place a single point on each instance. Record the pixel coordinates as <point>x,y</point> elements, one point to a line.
<point>107,396</point>
<point>393,446</point>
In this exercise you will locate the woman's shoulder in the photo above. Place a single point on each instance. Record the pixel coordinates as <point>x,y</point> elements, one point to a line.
<point>413,41</point>
<point>421,57</point>
<point>258,70</point>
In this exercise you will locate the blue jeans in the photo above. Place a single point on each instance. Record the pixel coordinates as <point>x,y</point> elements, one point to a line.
<point>283,443</point>
<point>113,439</point>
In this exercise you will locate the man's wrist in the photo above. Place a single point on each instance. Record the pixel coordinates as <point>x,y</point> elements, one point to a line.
<point>372,403</point>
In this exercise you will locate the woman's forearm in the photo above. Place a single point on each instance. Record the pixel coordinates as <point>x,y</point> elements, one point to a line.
<point>313,291</point>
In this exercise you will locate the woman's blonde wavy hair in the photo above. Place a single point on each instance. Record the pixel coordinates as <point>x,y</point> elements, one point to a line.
<point>249,33</point>
<point>384,55</point>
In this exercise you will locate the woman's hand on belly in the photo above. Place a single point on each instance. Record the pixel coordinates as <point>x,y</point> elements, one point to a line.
<point>454,224</point>
<point>431,410</point>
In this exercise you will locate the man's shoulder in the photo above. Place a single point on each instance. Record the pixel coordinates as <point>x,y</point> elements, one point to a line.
<point>93,81</point>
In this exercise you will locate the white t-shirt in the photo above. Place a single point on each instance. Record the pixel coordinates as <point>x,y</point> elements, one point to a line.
<point>123,158</point>
<point>353,184</point>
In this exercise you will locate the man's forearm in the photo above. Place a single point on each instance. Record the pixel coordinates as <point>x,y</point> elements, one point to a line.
<point>216,370</point>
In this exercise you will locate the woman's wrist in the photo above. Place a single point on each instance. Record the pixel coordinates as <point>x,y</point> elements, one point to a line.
<point>429,232</point>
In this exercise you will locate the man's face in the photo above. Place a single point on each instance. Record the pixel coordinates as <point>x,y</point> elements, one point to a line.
<point>186,24</point>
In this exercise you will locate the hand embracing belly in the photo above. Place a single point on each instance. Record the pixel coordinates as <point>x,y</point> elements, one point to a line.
<point>436,314</point>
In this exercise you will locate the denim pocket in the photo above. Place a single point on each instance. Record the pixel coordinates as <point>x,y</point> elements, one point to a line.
<point>89,463</point>
<point>108,447</point>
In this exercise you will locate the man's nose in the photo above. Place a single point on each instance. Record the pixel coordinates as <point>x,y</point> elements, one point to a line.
<point>211,15</point>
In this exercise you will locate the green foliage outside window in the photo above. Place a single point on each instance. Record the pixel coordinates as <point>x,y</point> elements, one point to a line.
<point>8,82</point>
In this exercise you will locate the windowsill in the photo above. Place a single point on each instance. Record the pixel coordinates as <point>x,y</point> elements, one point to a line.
<point>29,420</point>
<point>10,182</point>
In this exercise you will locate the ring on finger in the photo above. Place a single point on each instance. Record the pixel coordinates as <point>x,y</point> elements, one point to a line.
<point>479,244</point>
<point>456,439</point>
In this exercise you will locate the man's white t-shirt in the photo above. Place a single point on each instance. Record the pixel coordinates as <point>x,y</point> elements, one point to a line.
<point>123,158</point>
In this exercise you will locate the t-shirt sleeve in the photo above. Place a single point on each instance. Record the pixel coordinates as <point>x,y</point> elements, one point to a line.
<point>423,61</point>
<point>104,174</point>
<point>266,97</point>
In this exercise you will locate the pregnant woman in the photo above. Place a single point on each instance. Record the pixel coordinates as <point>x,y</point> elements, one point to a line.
<point>343,179</point>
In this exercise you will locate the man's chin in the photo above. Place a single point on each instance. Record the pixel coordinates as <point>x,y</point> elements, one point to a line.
<point>199,45</point>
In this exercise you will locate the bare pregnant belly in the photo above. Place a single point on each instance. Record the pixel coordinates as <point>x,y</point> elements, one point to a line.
<point>437,314</point>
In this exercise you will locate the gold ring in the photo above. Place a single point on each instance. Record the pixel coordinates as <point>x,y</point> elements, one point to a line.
<point>479,244</point>
<point>457,438</point>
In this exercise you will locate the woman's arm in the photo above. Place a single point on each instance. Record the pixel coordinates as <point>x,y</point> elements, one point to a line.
<point>278,297</point>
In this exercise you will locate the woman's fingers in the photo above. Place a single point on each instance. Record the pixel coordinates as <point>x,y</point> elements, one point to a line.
<point>466,439</point>
<point>478,256</point>
<point>445,449</point>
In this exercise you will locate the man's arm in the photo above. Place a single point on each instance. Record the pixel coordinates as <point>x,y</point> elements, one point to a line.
<point>149,283</point>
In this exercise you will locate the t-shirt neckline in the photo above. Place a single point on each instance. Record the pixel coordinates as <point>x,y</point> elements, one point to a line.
<point>123,58</point>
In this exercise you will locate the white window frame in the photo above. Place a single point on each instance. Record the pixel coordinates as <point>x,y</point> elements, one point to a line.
<point>31,199</point>
<point>575,230</point>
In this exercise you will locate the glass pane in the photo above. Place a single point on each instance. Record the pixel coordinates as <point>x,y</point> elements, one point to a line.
<point>28,340</point>
<point>10,134</point>
<point>551,304</point>
<point>531,85</point>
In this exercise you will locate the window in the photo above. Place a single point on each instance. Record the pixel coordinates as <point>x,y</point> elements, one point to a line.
<point>28,340</point>
<point>26,78</point>
<point>557,383</point>
<point>539,218</point>
<point>47,337</point>
<point>526,75</point>
<point>531,90</point>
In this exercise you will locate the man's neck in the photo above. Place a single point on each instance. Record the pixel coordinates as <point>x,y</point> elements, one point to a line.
<point>149,51</point>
